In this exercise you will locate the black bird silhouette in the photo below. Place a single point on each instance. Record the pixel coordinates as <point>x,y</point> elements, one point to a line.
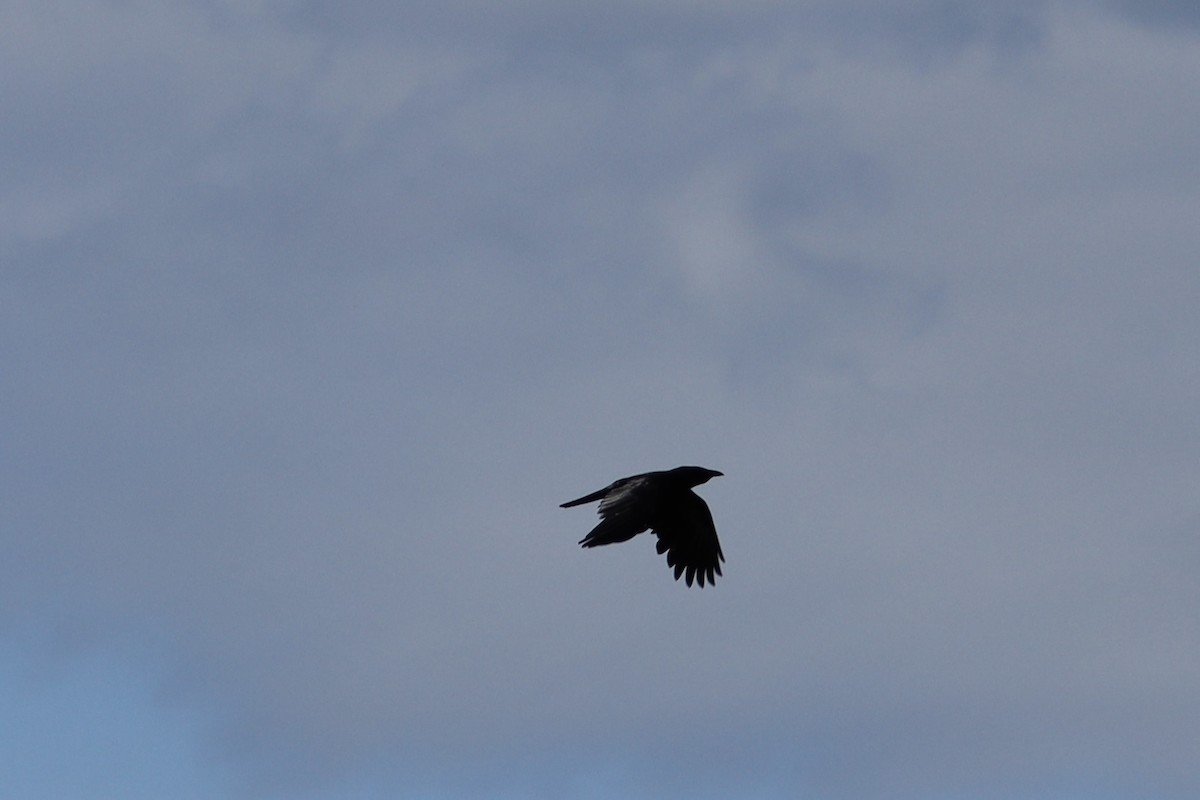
<point>664,503</point>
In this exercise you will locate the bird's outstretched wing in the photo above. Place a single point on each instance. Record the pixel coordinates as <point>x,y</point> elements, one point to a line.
<point>625,510</point>
<point>687,535</point>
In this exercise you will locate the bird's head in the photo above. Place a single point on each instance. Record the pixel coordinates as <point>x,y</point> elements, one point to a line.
<point>694,476</point>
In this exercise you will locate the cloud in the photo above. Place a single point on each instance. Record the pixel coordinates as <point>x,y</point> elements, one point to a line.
<point>1168,14</point>
<point>311,327</point>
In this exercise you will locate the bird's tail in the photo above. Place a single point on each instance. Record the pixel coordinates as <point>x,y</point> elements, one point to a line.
<point>590,498</point>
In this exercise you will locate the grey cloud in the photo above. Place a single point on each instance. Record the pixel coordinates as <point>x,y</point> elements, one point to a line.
<point>1160,13</point>
<point>294,393</point>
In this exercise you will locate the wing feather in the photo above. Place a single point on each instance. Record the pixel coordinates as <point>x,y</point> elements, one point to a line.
<point>688,536</point>
<point>624,512</point>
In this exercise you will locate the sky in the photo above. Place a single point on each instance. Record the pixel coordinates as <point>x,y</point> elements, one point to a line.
<point>311,315</point>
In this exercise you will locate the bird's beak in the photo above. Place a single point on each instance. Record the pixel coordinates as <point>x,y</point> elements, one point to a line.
<point>716,474</point>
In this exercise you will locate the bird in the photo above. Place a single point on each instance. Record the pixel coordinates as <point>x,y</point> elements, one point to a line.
<point>664,503</point>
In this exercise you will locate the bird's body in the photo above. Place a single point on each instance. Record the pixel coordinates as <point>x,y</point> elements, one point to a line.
<point>664,503</point>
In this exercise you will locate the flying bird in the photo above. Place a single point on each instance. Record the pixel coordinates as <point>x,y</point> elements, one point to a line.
<point>664,503</point>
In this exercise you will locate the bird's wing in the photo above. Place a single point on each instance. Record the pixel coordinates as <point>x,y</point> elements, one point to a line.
<point>687,535</point>
<point>624,512</point>
<point>626,496</point>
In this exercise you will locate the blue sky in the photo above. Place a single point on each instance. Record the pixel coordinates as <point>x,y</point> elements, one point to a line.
<point>310,317</point>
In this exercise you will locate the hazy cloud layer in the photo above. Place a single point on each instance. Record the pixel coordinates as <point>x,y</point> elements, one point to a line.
<point>311,317</point>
